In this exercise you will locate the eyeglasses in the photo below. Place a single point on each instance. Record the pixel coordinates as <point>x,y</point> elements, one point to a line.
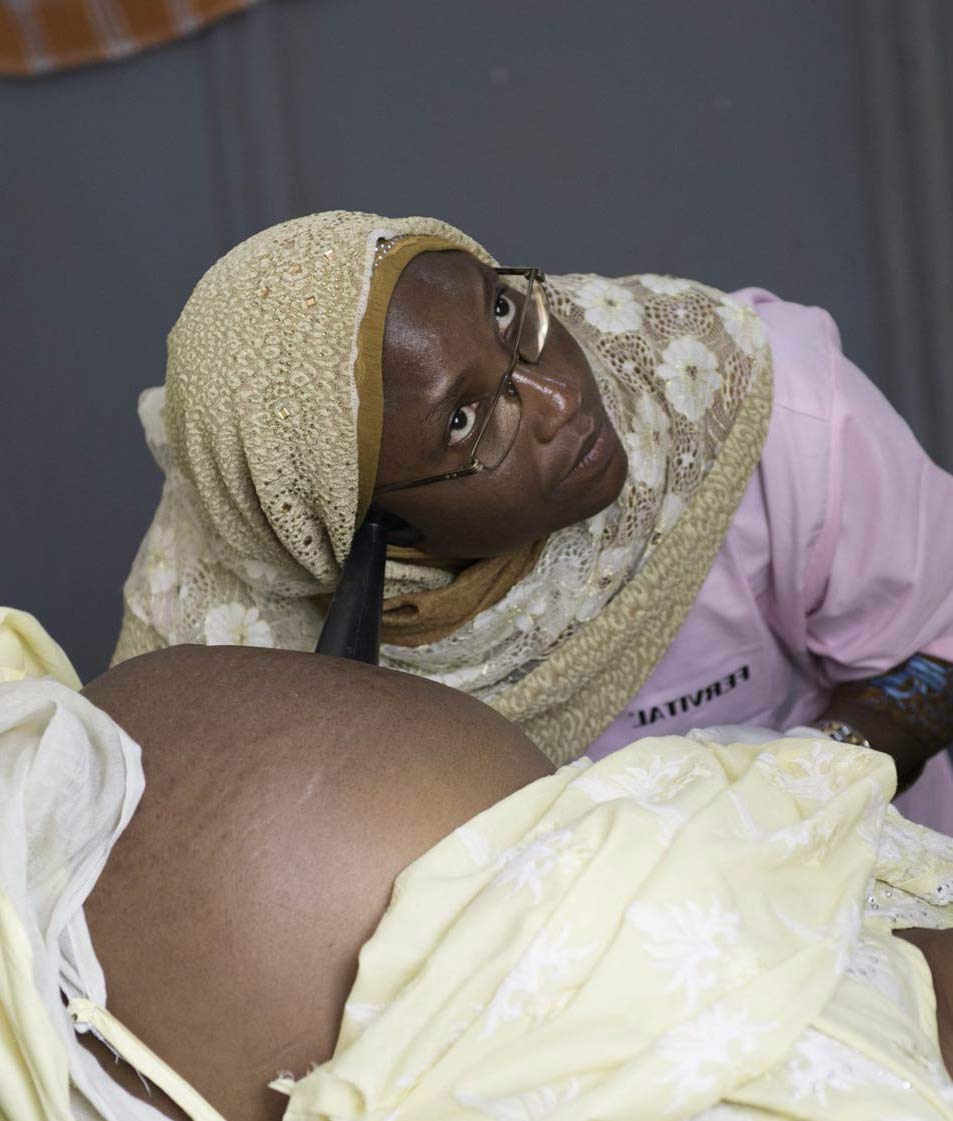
<point>494,433</point>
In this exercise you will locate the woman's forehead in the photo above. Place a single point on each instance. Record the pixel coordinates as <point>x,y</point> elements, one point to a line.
<point>440,314</point>
<point>452,273</point>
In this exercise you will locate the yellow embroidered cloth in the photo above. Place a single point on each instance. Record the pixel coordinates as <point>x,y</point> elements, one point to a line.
<point>26,650</point>
<point>682,930</point>
<point>34,1074</point>
<point>685,929</point>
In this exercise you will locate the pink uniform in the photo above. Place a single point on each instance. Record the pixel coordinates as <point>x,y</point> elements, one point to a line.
<point>838,564</point>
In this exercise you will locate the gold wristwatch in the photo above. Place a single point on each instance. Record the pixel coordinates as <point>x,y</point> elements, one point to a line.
<point>842,732</point>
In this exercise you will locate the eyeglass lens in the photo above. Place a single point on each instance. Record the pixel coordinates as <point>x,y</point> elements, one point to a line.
<point>499,435</point>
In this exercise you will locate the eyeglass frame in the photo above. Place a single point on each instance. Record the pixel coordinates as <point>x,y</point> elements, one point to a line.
<point>475,467</point>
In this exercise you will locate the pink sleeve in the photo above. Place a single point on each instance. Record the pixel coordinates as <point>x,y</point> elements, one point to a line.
<point>879,581</point>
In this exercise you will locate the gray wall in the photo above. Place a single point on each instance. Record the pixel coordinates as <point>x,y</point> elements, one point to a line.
<point>733,142</point>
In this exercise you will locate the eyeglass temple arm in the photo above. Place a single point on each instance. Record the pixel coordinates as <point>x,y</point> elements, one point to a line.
<point>538,274</point>
<point>472,469</point>
<point>352,628</point>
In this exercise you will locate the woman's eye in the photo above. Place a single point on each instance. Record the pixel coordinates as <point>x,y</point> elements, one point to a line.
<point>463,423</point>
<point>505,311</point>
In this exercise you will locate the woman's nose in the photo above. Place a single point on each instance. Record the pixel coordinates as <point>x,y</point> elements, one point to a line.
<point>549,399</point>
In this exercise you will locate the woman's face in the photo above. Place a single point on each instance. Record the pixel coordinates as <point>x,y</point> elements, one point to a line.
<point>444,356</point>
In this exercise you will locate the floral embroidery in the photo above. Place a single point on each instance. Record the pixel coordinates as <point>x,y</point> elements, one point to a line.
<point>664,285</point>
<point>534,986</point>
<point>817,776</point>
<point>530,864</point>
<point>647,442</point>
<point>690,372</point>
<point>814,833</point>
<point>697,946</point>
<point>160,560</point>
<point>232,624</point>
<point>529,607</point>
<point>608,306</point>
<point>261,573</point>
<point>869,962</point>
<point>651,787</point>
<point>657,780</point>
<point>462,677</point>
<point>694,1053</point>
<point>743,324</point>
<point>821,1065</point>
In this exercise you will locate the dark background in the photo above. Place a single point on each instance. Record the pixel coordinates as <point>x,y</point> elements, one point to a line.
<point>799,145</point>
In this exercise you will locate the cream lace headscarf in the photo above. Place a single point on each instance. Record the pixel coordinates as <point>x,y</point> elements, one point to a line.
<point>268,432</point>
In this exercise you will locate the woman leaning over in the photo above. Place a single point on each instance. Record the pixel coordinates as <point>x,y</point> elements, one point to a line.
<point>608,527</point>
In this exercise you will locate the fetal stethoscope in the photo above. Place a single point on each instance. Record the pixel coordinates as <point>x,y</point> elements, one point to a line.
<point>352,627</point>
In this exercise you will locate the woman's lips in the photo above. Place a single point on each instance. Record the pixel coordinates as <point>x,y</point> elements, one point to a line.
<point>593,451</point>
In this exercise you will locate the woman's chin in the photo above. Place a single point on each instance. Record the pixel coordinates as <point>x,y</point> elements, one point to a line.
<point>605,489</point>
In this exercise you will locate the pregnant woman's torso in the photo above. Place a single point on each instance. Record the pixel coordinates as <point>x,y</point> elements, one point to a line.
<point>284,793</point>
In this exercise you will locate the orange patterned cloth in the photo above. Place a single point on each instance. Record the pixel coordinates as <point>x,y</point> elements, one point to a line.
<point>37,36</point>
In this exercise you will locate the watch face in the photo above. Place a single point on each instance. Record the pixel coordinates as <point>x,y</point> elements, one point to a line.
<point>843,733</point>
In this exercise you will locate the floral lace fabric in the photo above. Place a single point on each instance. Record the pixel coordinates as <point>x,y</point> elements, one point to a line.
<point>685,374</point>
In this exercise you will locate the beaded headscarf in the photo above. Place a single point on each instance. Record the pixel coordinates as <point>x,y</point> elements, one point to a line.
<point>268,432</point>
